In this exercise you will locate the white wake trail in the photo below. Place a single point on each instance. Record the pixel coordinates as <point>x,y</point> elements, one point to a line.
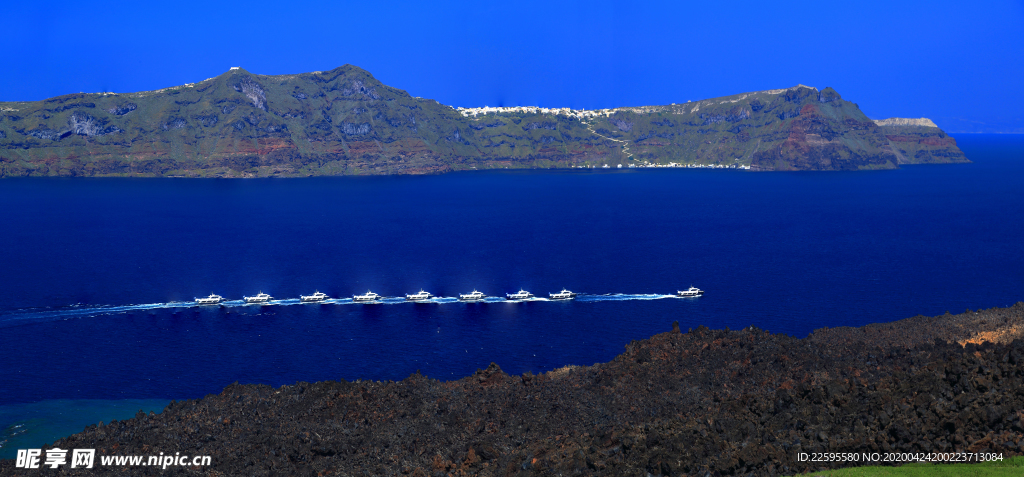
<point>17,317</point>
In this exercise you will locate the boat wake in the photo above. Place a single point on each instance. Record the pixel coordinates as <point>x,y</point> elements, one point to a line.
<point>22,317</point>
<point>622,297</point>
<point>36,315</point>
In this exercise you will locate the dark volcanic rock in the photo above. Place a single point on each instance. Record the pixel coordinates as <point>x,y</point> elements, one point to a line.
<point>679,403</point>
<point>123,109</point>
<point>85,125</point>
<point>355,129</point>
<point>253,91</point>
<point>43,132</point>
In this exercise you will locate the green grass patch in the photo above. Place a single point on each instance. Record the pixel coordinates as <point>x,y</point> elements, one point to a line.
<point>1013,466</point>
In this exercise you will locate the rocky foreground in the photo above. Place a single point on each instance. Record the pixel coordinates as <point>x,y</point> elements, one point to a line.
<point>346,122</point>
<point>697,402</point>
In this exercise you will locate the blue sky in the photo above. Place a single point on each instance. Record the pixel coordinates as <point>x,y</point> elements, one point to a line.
<point>959,63</point>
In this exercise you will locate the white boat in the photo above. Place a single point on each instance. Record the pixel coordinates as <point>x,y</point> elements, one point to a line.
<point>473,296</point>
<point>562,295</point>
<point>369,296</point>
<point>690,292</point>
<point>210,300</point>
<point>261,298</point>
<point>422,295</point>
<point>520,295</point>
<point>316,297</point>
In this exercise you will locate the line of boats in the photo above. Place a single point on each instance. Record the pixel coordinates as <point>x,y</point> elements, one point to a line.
<point>370,297</point>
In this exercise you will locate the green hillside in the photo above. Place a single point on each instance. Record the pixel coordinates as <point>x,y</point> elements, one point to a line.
<point>345,122</point>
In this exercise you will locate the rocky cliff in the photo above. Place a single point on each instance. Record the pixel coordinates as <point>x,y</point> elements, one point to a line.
<point>344,121</point>
<point>697,402</point>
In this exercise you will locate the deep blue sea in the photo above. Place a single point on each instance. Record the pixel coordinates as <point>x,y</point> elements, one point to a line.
<point>97,275</point>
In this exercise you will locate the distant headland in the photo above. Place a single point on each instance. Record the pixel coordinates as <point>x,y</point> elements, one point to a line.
<point>346,122</point>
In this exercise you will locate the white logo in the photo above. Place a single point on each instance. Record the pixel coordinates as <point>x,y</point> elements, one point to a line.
<point>83,458</point>
<point>56,457</point>
<point>28,458</point>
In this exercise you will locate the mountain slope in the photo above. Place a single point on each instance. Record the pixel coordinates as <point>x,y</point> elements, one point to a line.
<point>344,121</point>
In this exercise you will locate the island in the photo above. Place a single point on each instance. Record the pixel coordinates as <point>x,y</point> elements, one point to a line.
<point>346,122</point>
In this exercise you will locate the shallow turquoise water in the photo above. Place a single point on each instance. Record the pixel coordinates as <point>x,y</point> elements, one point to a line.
<point>31,425</point>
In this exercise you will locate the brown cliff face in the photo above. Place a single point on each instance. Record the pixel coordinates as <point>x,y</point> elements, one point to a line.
<point>922,145</point>
<point>679,403</point>
<point>814,144</point>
